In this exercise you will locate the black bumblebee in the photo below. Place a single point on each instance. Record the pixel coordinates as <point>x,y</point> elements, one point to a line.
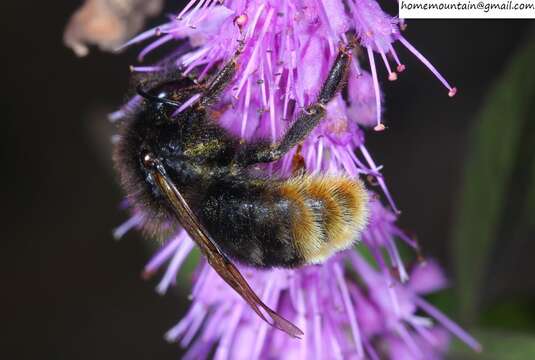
<point>184,169</point>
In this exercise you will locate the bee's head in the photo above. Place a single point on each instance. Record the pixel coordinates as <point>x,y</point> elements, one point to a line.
<point>149,136</point>
<point>164,99</point>
<point>161,101</point>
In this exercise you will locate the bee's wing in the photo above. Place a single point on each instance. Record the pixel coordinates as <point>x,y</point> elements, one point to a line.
<point>219,262</point>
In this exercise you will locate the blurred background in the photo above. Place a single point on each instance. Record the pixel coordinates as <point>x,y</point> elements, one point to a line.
<point>462,171</point>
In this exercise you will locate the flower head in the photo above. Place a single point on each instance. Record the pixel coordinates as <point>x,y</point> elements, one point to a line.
<point>289,46</point>
<point>347,307</point>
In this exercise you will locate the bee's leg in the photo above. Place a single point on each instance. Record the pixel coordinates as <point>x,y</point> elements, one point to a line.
<point>307,120</point>
<point>198,83</point>
<point>298,161</point>
<point>220,81</point>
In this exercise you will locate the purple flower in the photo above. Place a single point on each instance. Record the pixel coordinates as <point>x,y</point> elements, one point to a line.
<point>354,305</point>
<point>280,37</point>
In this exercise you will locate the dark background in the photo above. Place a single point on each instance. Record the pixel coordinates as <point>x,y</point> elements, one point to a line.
<point>71,292</point>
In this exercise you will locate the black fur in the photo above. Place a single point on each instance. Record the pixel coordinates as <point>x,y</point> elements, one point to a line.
<point>251,221</point>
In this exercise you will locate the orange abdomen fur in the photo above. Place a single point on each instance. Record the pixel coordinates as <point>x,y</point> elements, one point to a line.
<point>328,213</point>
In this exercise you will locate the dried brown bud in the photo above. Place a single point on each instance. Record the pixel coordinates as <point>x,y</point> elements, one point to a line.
<point>107,23</point>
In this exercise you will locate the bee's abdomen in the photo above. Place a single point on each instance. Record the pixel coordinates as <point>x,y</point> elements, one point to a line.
<point>302,220</point>
<point>328,215</point>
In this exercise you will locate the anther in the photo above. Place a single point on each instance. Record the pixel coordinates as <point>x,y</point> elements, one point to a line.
<point>146,275</point>
<point>240,21</point>
<point>452,92</point>
<point>379,127</point>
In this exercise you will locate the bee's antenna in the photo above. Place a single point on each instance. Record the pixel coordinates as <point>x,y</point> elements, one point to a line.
<point>157,99</point>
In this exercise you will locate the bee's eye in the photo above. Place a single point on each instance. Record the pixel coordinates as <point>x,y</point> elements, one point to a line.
<point>164,94</point>
<point>172,93</point>
<point>166,90</point>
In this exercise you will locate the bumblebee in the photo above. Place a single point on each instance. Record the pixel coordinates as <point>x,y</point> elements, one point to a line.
<point>182,168</point>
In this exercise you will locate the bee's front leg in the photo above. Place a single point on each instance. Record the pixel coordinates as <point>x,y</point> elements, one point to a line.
<point>221,80</point>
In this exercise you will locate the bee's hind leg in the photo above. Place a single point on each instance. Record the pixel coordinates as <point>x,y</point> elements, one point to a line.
<point>307,120</point>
